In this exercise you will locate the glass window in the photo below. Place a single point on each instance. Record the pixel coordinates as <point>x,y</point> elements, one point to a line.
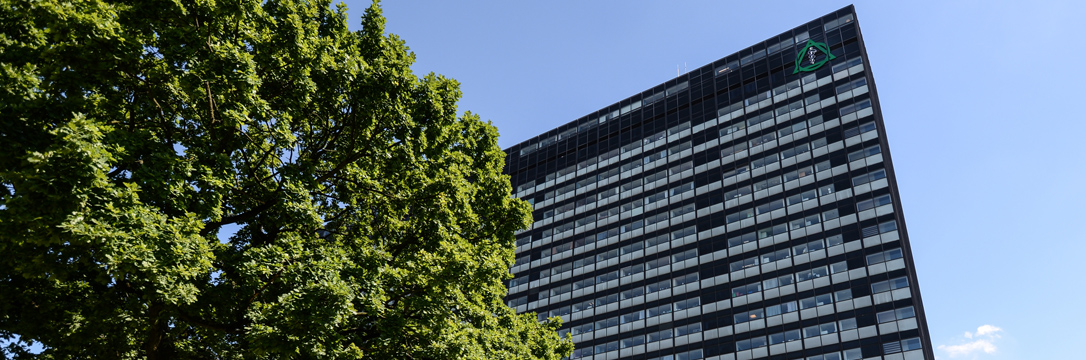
<point>658,286</point>
<point>778,282</point>
<point>686,279</point>
<point>659,310</point>
<point>808,303</point>
<point>632,226</point>
<point>735,172</point>
<point>746,289</point>
<point>733,128</point>
<point>873,203</point>
<point>842,295</point>
<point>652,264</point>
<point>689,231</point>
<point>886,316</point>
<point>796,174</point>
<point>656,176</point>
<point>834,240</point>
<point>582,242</point>
<point>910,344</point>
<point>776,338</point>
<point>631,165</point>
<point>758,342</point>
<point>654,156</point>
<point>607,255</point>
<point>656,219</point>
<point>682,188</point>
<point>763,139</point>
<point>776,255</point>
<point>581,329</point>
<point>518,301</point>
<point>606,299</point>
<point>655,197</point>
<point>633,316</point>
<point>755,120</point>
<point>654,137</point>
<point>838,267</point>
<point>827,328</point>
<point>607,193</point>
<point>770,182</point>
<point>860,105</point>
<point>656,240</point>
<point>742,214</point>
<point>631,185</point>
<point>674,170</point>
<point>792,335</point>
<point>801,197</point>
<point>607,175</point>
<point>727,68</point>
<point>905,313</point>
<point>743,239</point>
<point>745,190</point>
<point>811,274</point>
<point>743,264</point>
<point>611,346</point>
<point>584,305</point>
<point>808,247</point>
<point>676,88</point>
<point>607,277</point>
<point>518,281</point>
<point>687,329</point>
<point>764,161</point>
<point>899,283</point>
<point>688,303</point>
<point>632,293</point>
<point>682,210</point>
<point>801,148</point>
<point>770,206</point>
<point>733,149</point>
<point>757,98</point>
<point>660,335</point>
<point>748,316</point>
<point>681,146</point>
<point>685,255</point>
<point>888,226</point>
<point>632,269</point>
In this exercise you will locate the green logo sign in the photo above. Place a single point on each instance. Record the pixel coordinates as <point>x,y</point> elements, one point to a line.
<point>810,56</point>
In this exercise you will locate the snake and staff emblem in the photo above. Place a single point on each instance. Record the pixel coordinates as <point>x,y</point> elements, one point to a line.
<point>811,51</point>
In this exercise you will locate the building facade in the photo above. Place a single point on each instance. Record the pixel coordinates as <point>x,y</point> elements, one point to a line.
<point>743,210</point>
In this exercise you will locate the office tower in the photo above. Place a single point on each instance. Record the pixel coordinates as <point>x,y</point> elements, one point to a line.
<point>746,209</point>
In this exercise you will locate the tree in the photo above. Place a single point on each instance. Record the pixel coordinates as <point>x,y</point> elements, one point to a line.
<point>245,179</point>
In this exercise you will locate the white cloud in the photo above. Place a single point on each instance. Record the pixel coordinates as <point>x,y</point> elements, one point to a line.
<point>984,342</point>
<point>969,348</point>
<point>988,330</point>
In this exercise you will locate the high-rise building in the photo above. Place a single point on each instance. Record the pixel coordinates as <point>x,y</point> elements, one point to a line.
<point>743,210</point>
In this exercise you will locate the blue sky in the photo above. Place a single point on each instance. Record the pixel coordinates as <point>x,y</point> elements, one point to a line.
<point>979,97</point>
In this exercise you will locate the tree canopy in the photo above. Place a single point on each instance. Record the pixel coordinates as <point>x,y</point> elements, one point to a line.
<point>245,179</point>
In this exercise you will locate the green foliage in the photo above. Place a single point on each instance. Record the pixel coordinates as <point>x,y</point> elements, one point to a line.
<point>371,220</point>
